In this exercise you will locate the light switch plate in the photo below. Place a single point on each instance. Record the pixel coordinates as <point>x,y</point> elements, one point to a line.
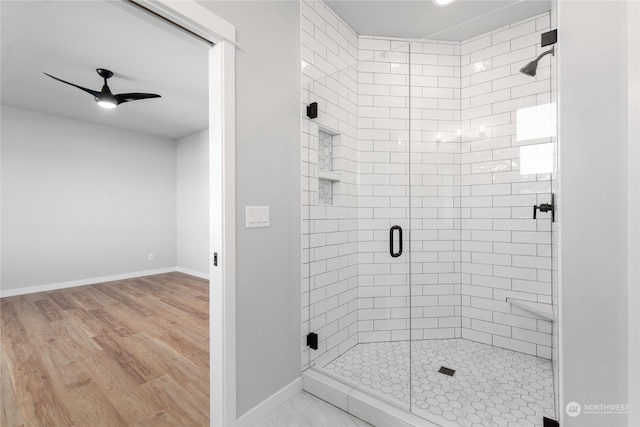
<point>256,216</point>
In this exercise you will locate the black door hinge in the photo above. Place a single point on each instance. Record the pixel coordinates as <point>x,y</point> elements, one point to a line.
<point>312,110</point>
<point>312,340</point>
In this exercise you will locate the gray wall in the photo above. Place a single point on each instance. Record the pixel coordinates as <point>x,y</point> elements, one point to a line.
<point>81,200</point>
<point>267,174</point>
<point>192,179</point>
<point>633,21</point>
<point>593,206</point>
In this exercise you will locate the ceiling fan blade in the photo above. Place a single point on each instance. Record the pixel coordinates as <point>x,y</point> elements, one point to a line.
<point>89,91</point>
<point>127,97</point>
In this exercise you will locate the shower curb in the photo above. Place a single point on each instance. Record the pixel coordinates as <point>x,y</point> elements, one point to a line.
<point>365,406</point>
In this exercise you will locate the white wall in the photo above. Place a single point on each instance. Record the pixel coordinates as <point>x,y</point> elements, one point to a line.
<point>594,145</point>
<point>192,177</point>
<point>81,200</point>
<point>267,174</point>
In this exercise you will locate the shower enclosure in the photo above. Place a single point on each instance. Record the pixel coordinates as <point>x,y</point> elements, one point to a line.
<point>428,235</point>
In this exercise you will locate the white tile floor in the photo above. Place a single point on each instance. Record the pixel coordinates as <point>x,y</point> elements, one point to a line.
<point>305,410</point>
<point>491,386</point>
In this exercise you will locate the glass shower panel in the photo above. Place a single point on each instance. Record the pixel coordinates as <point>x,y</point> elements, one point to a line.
<point>329,145</point>
<point>554,224</point>
<point>355,218</point>
<point>329,211</point>
<point>481,288</point>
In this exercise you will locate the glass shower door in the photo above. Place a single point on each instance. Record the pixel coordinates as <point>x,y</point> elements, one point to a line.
<point>435,216</point>
<point>383,219</point>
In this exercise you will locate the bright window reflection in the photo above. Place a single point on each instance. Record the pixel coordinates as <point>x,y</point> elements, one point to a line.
<point>536,159</point>
<point>479,66</point>
<point>536,122</point>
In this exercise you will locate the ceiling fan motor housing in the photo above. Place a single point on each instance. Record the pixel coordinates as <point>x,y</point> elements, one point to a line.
<point>104,73</point>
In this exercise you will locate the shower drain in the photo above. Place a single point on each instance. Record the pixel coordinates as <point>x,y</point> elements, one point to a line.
<point>447,371</point>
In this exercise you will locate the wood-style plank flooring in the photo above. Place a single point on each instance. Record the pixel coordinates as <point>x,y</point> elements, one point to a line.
<point>126,353</point>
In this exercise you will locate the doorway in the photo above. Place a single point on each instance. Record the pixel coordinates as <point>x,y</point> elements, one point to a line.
<point>206,25</point>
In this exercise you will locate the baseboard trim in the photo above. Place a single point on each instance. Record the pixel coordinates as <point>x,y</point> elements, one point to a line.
<point>83,282</point>
<point>192,273</point>
<point>272,403</point>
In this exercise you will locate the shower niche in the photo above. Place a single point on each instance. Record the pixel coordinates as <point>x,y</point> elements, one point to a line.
<point>328,174</point>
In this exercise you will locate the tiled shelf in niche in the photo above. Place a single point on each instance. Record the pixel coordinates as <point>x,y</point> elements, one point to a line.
<point>329,175</point>
<point>328,140</point>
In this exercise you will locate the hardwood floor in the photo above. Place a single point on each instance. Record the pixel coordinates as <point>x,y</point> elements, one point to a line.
<point>126,353</point>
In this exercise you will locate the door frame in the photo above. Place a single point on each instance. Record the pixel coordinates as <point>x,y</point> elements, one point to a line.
<point>222,296</point>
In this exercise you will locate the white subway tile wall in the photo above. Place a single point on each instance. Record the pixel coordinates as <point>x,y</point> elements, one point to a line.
<point>383,191</point>
<point>505,252</point>
<point>427,141</point>
<point>434,193</point>
<point>329,207</point>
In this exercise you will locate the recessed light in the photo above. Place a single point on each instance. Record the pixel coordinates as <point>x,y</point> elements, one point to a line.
<point>443,2</point>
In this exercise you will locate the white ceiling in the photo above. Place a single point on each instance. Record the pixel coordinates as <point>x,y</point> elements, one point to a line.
<point>70,39</point>
<point>418,19</point>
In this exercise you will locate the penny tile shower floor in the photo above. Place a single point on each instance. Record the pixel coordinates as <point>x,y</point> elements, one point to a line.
<point>491,386</point>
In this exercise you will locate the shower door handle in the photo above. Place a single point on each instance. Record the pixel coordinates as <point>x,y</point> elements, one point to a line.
<point>391,233</point>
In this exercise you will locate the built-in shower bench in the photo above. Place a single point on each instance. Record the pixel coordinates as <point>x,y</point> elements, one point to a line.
<point>541,310</point>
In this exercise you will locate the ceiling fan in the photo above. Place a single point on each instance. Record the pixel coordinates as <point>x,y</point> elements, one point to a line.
<point>105,98</point>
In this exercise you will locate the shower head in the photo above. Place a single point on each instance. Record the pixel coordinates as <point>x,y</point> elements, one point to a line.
<point>531,67</point>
